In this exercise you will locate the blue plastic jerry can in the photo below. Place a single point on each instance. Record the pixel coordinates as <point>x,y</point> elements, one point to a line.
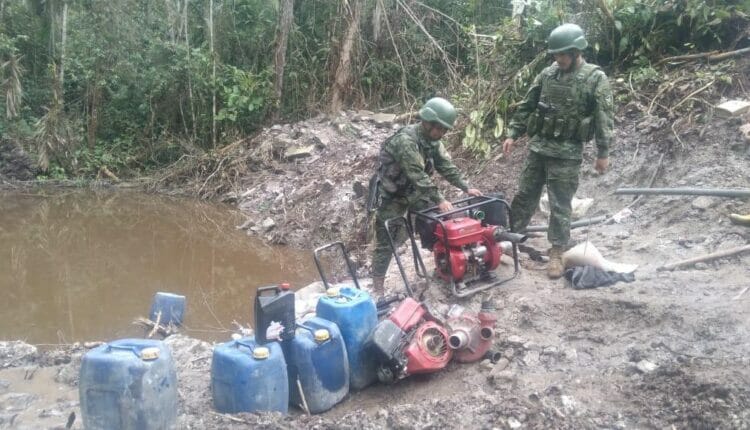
<point>318,361</point>
<point>354,312</point>
<point>168,308</point>
<point>128,384</point>
<point>249,377</point>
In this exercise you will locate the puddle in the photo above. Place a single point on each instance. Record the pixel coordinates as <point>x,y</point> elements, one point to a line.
<point>82,265</point>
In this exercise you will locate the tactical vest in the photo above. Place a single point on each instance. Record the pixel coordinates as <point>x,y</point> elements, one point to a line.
<point>565,108</point>
<point>392,179</point>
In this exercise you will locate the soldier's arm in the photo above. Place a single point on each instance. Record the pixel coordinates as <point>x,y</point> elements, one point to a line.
<point>604,115</point>
<point>444,165</point>
<point>517,125</point>
<point>406,153</point>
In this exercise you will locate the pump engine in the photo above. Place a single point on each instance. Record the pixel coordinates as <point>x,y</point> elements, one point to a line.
<point>410,341</point>
<point>468,242</point>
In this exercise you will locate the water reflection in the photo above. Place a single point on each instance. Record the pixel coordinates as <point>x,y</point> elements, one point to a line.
<point>81,265</point>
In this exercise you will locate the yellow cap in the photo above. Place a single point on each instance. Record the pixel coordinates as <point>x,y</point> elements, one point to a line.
<point>261,353</point>
<point>322,335</point>
<point>151,353</point>
<point>332,292</point>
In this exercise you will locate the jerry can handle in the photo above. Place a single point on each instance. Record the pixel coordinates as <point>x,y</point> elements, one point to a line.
<point>349,266</point>
<point>132,349</point>
<point>238,343</point>
<point>275,288</point>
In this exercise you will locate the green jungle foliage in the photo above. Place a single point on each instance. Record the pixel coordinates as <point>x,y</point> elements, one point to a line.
<point>131,85</point>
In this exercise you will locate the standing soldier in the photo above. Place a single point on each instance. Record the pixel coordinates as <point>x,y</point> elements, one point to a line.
<point>568,103</point>
<point>406,162</point>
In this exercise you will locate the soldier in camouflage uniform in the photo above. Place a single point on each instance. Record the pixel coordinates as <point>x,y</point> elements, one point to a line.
<point>568,103</point>
<point>406,162</point>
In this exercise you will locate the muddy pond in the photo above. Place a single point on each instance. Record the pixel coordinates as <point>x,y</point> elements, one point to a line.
<point>82,265</point>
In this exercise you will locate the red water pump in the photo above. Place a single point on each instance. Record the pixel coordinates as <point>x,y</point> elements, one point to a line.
<point>410,341</point>
<point>466,242</point>
<point>471,335</point>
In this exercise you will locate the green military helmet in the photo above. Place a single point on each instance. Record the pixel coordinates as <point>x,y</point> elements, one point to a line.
<point>566,37</point>
<point>438,110</point>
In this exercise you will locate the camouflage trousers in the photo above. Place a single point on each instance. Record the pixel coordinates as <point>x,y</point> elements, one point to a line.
<point>561,177</point>
<point>391,207</point>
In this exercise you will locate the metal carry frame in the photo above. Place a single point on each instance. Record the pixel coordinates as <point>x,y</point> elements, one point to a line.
<point>349,266</point>
<point>460,206</point>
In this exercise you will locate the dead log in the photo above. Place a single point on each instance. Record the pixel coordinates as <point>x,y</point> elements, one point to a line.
<point>708,257</point>
<point>710,56</point>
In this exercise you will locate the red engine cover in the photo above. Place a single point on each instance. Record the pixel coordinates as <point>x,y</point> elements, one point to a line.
<point>465,237</point>
<point>460,231</point>
<point>428,350</point>
<point>407,314</point>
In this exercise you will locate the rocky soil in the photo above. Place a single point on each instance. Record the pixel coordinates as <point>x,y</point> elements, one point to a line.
<point>670,350</point>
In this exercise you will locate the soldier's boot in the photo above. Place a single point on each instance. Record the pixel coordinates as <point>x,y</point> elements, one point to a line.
<point>377,286</point>
<point>555,266</point>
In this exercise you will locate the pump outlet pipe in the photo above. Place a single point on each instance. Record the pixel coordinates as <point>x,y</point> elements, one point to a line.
<point>716,192</point>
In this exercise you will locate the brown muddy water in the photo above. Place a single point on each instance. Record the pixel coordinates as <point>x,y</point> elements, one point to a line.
<point>82,265</point>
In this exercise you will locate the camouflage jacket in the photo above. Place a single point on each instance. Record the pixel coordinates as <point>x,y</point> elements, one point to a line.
<point>406,162</point>
<point>562,111</point>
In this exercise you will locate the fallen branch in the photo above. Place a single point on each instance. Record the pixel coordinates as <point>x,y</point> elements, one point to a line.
<point>104,171</point>
<point>150,325</point>
<point>689,96</point>
<point>405,117</point>
<point>156,325</point>
<point>688,57</point>
<point>230,418</point>
<point>725,55</point>
<point>708,257</point>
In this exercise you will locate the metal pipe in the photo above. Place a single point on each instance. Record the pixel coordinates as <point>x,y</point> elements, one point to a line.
<point>579,223</point>
<point>493,356</point>
<point>717,192</point>
<point>458,339</point>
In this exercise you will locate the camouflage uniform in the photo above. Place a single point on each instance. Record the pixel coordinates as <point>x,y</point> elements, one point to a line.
<point>407,160</point>
<point>560,112</point>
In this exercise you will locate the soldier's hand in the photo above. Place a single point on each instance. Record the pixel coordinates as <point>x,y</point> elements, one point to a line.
<point>445,206</point>
<point>473,192</point>
<point>601,165</point>
<point>508,145</point>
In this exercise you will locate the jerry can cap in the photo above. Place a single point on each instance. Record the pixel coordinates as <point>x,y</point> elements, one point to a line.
<point>333,292</point>
<point>150,353</point>
<point>322,335</point>
<point>261,353</point>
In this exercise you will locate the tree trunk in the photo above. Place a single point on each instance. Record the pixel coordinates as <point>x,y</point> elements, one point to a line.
<point>342,76</point>
<point>63,38</point>
<point>213,73</point>
<point>285,24</point>
<point>94,93</point>
<point>190,71</point>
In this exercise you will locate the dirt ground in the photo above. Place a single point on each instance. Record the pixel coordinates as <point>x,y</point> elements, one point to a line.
<point>670,350</point>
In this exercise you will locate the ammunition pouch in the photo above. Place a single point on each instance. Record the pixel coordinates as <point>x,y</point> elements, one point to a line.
<point>534,124</point>
<point>552,126</point>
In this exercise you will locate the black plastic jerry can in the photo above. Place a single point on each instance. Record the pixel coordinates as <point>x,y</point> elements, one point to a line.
<point>274,303</point>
